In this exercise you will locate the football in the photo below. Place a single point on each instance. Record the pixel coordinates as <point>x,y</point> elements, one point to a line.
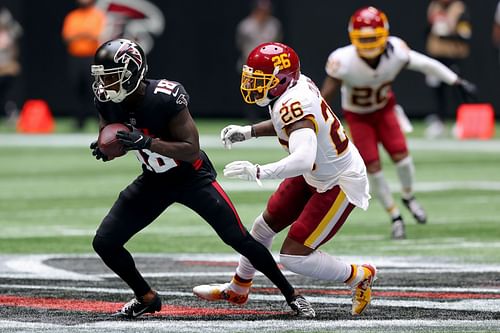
<point>108,143</point>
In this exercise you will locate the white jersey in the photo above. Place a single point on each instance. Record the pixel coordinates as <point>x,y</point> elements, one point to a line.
<point>366,89</point>
<point>337,162</point>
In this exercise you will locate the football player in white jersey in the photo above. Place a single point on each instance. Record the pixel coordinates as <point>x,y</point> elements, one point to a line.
<point>324,177</point>
<point>365,70</point>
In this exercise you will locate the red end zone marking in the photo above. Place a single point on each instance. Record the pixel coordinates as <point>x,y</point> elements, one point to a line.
<point>111,307</point>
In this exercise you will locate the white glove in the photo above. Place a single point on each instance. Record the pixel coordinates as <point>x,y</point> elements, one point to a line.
<point>234,133</point>
<point>243,170</point>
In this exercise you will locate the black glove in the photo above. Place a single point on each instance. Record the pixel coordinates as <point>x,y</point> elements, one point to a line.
<point>134,140</point>
<point>97,152</point>
<point>468,90</point>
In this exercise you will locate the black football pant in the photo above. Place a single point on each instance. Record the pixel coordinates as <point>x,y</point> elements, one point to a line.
<point>145,199</point>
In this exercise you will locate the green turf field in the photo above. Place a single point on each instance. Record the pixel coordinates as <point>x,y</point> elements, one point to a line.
<point>53,198</point>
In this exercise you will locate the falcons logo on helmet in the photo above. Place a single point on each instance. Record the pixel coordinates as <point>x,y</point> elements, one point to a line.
<point>128,51</point>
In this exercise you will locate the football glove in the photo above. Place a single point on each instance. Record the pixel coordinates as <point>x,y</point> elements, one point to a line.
<point>99,155</point>
<point>234,133</point>
<point>134,140</point>
<point>243,170</point>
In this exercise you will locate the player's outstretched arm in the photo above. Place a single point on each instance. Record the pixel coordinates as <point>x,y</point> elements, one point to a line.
<point>421,63</point>
<point>427,65</point>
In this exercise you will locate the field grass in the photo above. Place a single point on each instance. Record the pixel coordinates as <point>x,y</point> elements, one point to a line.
<point>53,198</point>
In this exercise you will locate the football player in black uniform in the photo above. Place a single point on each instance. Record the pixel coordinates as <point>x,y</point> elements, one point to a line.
<point>165,140</point>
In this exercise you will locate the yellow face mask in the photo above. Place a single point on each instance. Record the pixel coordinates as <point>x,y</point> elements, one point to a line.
<point>255,85</point>
<point>369,43</point>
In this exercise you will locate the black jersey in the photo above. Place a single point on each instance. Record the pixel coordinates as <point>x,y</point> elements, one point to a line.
<point>163,100</point>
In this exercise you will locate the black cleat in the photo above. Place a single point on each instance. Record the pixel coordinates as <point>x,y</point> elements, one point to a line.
<point>416,210</point>
<point>301,307</point>
<point>136,307</point>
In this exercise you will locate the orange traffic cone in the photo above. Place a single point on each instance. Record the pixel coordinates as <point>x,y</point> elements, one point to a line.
<point>475,121</point>
<point>35,117</point>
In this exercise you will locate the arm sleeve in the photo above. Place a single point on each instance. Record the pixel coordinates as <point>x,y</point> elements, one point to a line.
<point>302,144</point>
<point>424,64</point>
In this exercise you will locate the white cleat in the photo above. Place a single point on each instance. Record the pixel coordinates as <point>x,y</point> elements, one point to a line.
<point>220,292</point>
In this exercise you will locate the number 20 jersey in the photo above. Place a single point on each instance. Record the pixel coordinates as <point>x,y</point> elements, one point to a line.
<point>337,162</point>
<point>365,89</point>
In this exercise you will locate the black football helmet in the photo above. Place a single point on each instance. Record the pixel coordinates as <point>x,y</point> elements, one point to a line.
<point>119,66</point>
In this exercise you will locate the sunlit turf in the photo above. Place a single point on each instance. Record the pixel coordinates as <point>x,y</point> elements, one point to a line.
<point>53,199</point>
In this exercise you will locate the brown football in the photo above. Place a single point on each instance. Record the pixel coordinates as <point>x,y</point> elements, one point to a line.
<point>108,143</point>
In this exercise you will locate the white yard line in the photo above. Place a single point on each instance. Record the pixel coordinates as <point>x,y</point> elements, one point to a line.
<point>251,326</point>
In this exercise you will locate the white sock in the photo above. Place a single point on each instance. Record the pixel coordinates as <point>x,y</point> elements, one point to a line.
<point>406,174</point>
<point>264,235</point>
<point>319,265</point>
<point>240,287</point>
<point>380,188</point>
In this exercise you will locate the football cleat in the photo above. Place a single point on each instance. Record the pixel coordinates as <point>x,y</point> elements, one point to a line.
<point>362,291</point>
<point>301,307</point>
<point>137,307</point>
<point>415,209</point>
<point>220,292</point>
<point>398,228</point>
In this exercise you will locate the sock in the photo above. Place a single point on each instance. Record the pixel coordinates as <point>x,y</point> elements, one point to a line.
<point>406,173</point>
<point>264,235</point>
<point>239,286</point>
<point>319,265</point>
<point>380,188</point>
<point>357,275</point>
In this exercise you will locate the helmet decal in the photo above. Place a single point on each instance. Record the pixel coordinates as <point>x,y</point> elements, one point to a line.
<point>128,51</point>
<point>272,51</point>
<point>119,67</point>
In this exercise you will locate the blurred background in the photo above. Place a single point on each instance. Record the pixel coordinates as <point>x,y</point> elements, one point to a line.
<point>194,42</point>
